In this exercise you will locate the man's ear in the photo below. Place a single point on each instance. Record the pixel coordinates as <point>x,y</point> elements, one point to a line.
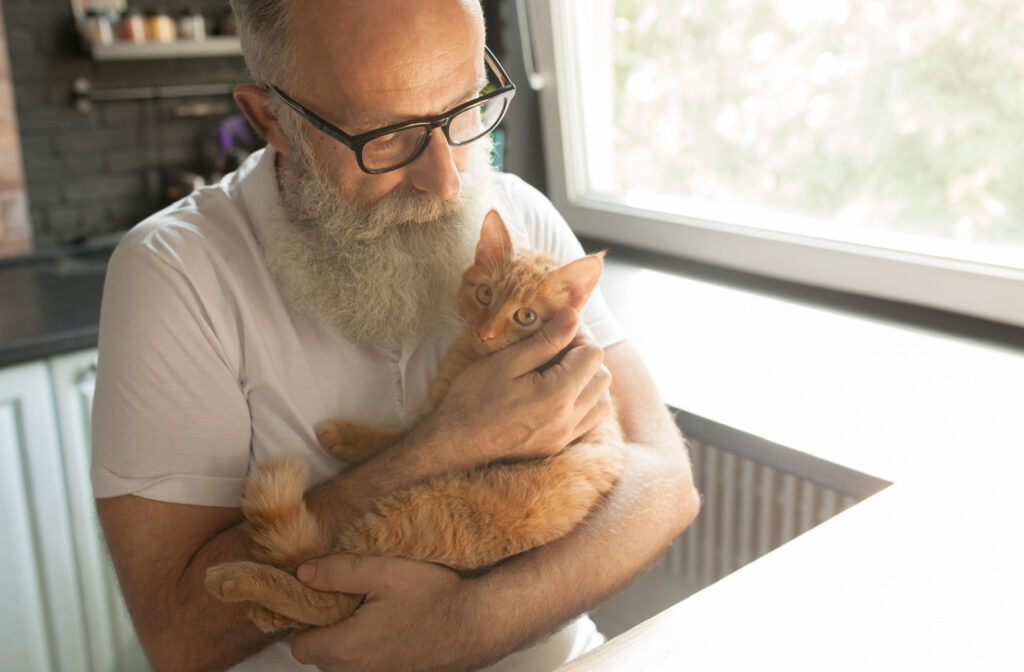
<point>252,100</point>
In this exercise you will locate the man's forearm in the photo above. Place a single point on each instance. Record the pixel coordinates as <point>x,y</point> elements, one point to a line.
<point>161,551</point>
<point>163,577</point>
<point>534,594</point>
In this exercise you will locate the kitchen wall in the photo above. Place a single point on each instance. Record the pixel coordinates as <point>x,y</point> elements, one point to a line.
<point>90,174</point>
<point>87,174</point>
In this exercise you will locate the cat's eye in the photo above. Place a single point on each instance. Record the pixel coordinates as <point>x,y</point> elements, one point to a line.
<point>525,317</point>
<point>484,294</point>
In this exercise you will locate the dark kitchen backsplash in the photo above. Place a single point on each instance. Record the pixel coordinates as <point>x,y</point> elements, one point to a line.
<point>105,170</point>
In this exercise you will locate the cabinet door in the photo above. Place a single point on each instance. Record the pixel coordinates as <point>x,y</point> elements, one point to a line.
<point>112,642</point>
<point>41,612</point>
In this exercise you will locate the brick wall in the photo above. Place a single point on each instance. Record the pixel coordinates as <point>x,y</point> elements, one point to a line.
<point>88,174</point>
<point>15,234</point>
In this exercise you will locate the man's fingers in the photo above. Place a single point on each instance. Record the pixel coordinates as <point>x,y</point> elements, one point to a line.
<point>595,415</point>
<point>580,365</point>
<point>593,402</point>
<point>541,347</point>
<point>341,573</point>
<point>596,388</point>
<point>319,645</point>
<point>584,336</point>
<point>390,585</point>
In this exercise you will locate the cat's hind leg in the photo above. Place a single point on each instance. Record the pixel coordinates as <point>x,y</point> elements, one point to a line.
<point>353,442</point>
<point>279,599</point>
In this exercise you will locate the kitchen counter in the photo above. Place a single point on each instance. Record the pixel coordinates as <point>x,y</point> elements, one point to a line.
<point>50,302</point>
<point>925,574</point>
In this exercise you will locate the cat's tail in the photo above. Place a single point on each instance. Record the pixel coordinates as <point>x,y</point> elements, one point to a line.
<point>276,516</point>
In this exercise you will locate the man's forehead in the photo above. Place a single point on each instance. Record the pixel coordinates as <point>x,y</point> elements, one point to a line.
<point>376,106</point>
<point>417,64</point>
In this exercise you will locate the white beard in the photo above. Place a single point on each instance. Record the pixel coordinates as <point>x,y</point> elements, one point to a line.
<point>382,274</point>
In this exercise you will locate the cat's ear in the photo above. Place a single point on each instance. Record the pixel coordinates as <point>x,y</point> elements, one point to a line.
<point>580,277</point>
<point>495,242</point>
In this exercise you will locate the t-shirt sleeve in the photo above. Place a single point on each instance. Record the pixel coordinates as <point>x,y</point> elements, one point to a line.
<point>170,420</point>
<point>545,229</point>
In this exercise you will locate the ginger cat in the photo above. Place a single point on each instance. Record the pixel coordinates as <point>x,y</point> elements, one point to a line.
<point>465,521</point>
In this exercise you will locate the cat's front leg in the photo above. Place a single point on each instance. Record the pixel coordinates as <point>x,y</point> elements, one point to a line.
<point>353,442</point>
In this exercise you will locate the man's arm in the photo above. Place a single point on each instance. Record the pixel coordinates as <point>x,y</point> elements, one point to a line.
<point>161,550</point>
<point>653,503</point>
<point>421,617</point>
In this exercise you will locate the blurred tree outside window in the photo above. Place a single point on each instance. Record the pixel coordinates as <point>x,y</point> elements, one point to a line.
<point>894,123</point>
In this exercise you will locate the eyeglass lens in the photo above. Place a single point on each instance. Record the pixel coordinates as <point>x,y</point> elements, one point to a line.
<point>396,148</point>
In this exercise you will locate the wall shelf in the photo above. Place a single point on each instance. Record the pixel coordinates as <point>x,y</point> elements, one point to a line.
<point>129,51</point>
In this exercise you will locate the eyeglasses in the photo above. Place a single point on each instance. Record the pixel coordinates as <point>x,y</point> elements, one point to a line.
<point>392,147</point>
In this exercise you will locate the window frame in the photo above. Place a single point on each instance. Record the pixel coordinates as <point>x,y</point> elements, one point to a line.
<point>971,288</point>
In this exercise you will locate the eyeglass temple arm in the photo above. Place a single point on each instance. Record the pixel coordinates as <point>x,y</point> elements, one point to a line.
<point>313,119</point>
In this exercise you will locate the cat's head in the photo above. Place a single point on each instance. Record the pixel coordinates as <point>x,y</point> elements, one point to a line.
<point>507,294</point>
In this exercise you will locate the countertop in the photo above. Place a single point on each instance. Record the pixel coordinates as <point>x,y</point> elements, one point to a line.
<point>926,574</point>
<point>50,302</point>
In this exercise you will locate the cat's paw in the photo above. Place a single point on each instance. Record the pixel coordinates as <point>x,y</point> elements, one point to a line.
<point>342,440</point>
<point>228,581</point>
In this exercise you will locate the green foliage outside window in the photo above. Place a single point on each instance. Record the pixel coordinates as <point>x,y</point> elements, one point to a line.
<point>901,115</point>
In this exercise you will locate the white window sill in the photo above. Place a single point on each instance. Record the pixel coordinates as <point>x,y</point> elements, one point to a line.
<point>864,392</point>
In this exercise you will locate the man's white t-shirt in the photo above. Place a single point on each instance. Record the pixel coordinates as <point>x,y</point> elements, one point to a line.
<point>205,369</point>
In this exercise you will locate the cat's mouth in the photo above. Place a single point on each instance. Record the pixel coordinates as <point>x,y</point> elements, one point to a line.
<point>486,347</point>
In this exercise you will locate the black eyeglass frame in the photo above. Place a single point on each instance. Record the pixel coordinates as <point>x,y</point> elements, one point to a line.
<point>357,142</point>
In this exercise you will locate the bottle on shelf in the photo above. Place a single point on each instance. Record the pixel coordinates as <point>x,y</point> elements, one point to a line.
<point>191,25</point>
<point>160,27</point>
<point>133,26</point>
<point>97,28</point>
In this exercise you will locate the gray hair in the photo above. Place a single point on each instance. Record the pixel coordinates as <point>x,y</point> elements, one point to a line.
<point>264,28</point>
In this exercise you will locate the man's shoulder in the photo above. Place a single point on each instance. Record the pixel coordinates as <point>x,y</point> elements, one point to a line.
<point>527,205</point>
<point>200,224</point>
<point>519,191</point>
<point>213,221</point>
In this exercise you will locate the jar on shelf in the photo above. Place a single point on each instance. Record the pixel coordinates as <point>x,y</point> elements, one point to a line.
<point>160,27</point>
<point>133,26</point>
<point>97,28</point>
<point>191,25</point>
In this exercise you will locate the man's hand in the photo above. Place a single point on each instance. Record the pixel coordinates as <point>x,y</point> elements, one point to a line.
<point>419,602</point>
<point>507,409</point>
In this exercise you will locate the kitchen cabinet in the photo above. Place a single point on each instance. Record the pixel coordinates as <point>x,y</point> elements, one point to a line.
<point>63,610</point>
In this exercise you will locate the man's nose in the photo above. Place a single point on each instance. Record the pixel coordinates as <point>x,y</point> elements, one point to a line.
<point>434,171</point>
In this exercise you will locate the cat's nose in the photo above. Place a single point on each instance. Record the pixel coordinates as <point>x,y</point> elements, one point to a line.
<point>485,335</point>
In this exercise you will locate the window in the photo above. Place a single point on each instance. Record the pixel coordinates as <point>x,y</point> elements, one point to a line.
<point>874,147</point>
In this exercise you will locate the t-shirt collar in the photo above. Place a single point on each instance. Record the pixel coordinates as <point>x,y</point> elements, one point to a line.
<point>260,191</point>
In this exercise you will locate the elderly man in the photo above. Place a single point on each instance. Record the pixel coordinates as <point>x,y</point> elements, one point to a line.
<point>316,283</point>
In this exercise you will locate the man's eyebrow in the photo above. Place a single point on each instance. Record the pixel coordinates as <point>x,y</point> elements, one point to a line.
<point>366,124</point>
